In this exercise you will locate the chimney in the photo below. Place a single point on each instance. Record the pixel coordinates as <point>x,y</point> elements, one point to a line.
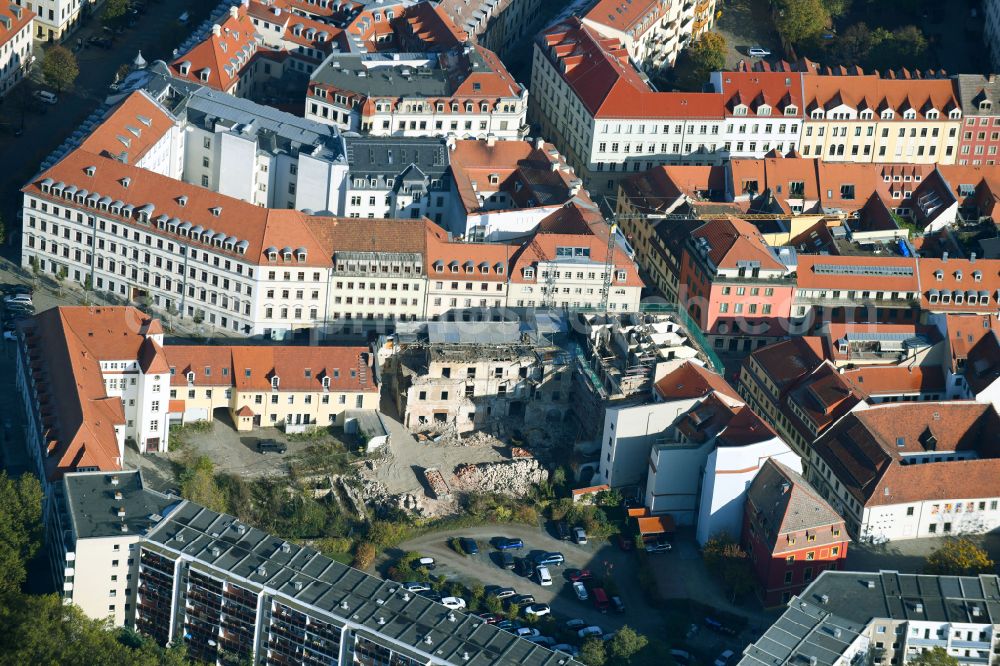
<point>539,142</point>
<point>992,78</point>
<point>491,139</point>
<point>114,480</point>
<point>118,495</point>
<point>234,12</point>
<point>217,30</point>
<point>944,256</point>
<point>972,257</point>
<point>450,142</point>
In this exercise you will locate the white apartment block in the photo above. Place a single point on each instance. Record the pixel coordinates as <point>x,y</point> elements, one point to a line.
<point>465,92</point>
<point>653,31</point>
<point>54,19</point>
<point>16,45</point>
<point>93,532</point>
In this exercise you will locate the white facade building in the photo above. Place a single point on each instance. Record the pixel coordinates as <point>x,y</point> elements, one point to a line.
<point>16,45</point>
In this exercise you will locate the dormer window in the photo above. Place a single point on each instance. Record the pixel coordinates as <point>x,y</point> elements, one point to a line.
<point>932,115</point>
<point>939,275</point>
<point>529,273</point>
<point>275,382</point>
<point>763,110</point>
<point>791,110</point>
<point>985,105</point>
<point>958,275</point>
<point>740,110</point>
<point>817,114</point>
<point>977,276</point>
<point>887,114</point>
<point>190,378</point>
<point>909,114</point>
<point>326,383</point>
<point>468,107</point>
<point>620,276</point>
<point>955,114</point>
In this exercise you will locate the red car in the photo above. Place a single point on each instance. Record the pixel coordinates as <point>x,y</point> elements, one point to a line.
<point>579,574</point>
<point>490,618</point>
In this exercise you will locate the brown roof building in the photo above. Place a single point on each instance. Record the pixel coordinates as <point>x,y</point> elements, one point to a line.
<point>909,470</point>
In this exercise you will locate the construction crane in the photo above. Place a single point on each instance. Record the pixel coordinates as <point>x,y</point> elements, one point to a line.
<point>609,266</point>
<point>548,289</point>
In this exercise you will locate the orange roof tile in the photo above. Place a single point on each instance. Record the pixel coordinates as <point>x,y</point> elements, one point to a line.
<point>623,15</point>
<point>128,133</point>
<point>599,72</point>
<point>732,240</point>
<point>691,380</point>
<point>779,92</point>
<point>18,18</point>
<point>850,273</point>
<point>655,524</point>
<point>869,91</point>
<point>959,276</point>
<point>218,60</point>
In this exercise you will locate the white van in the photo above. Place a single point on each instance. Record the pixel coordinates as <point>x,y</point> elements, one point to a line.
<point>426,563</point>
<point>46,96</point>
<point>544,578</point>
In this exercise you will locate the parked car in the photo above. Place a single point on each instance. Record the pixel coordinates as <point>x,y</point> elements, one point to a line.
<point>563,529</point>
<point>578,574</point>
<point>723,659</point>
<point>592,630</point>
<point>717,626</point>
<point>523,599</point>
<point>581,590</point>
<point>431,595</point>
<point>657,547</point>
<point>682,657</point>
<point>575,623</point>
<point>454,603</point>
<point>11,299</point>
<point>547,641</point>
<point>543,575</point>
<point>566,648</point>
<point>426,563</point>
<point>527,631</point>
<point>503,543</point>
<point>601,602</point>
<point>46,96</point>
<point>416,586</point>
<point>506,560</point>
<point>489,618</point>
<point>757,52</point>
<point>503,592</point>
<point>271,446</point>
<point>618,604</point>
<point>469,546</point>
<point>508,625</point>
<point>579,535</point>
<point>524,567</point>
<point>537,610</point>
<point>547,559</point>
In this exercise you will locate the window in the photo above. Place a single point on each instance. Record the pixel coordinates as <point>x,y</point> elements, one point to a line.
<point>811,555</point>
<point>788,577</point>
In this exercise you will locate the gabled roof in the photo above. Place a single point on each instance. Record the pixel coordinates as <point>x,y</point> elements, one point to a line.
<point>871,91</point>
<point>66,346</point>
<point>780,92</point>
<point>691,380</point>
<point>599,72</point>
<point>789,361</point>
<point>129,131</point>
<point>218,60</point>
<point>784,505</point>
<point>732,241</point>
<point>864,450</point>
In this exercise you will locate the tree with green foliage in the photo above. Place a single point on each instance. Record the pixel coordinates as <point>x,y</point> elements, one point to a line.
<point>959,557</point>
<point>727,560</point>
<point>20,527</point>
<point>198,484</point>
<point>593,653</point>
<point>837,8</point>
<point>935,657</point>
<point>40,629</point>
<point>59,67</point>
<point>800,20</point>
<point>705,56</point>
<point>114,11</point>
<point>625,644</point>
<point>364,555</point>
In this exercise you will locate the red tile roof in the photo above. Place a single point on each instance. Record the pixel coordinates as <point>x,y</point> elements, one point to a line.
<point>691,380</point>
<point>218,60</point>
<point>865,449</point>
<point>65,348</point>
<point>732,240</point>
<point>542,248</point>
<point>960,276</point>
<point>128,133</point>
<point>624,15</point>
<point>18,18</point>
<point>779,92</point>
<point>857,273</point>
<point>429,26</point>
<point>599,72</point>
<point>869,91</point>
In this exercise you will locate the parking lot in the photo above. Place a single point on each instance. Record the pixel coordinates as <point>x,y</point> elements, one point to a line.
<point>746,24</point>
<point>603,560</point>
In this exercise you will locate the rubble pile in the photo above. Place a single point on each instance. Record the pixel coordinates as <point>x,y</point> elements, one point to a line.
<point>514,478</point>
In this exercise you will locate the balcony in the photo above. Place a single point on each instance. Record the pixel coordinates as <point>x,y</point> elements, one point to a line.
<point>926,642</point>
<point>971,645</point>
